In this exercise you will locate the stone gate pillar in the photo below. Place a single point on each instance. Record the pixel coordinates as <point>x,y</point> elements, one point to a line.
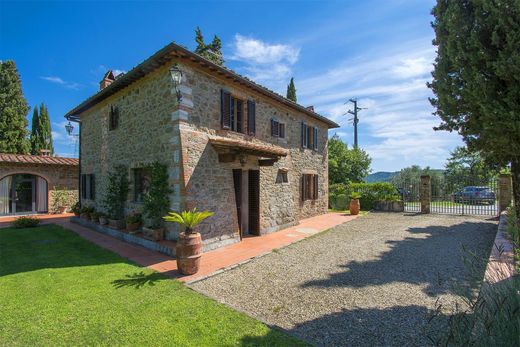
<point>425,193</point>
<point>505,191</point>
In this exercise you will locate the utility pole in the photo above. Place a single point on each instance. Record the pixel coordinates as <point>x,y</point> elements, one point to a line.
<point>355,119</point>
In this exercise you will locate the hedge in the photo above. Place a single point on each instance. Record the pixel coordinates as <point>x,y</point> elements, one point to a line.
<point>370,193</point>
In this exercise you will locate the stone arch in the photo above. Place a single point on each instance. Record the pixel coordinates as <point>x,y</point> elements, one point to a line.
<point>35,174</point>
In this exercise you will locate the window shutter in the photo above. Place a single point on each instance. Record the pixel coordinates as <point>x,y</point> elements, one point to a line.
<point>83,186</point>
<point>315,187</point>
<point>304,135</point>
<point>282,130</point>
<point>92,192</point>
<point>225,109</point>
<point>251,117</point>
<point>315,138</point>
<point>239,116</point>
<point>275,128</point>
<point>303,187</point>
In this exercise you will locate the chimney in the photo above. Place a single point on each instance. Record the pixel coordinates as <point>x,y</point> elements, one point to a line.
<point>310,108</point>
<point>45,153</point>
<point>108,78</point>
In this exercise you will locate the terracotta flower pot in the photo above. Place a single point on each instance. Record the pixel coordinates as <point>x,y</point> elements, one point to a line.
<point>61,209</point>
<point>103,220</point>
<point>189,251</point>
<point>85,216</point>
<point>132,226</point>
<point>116,223</point>
<point>354,207</point>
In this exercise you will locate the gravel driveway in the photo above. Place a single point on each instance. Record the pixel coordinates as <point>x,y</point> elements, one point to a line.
<point>373,281</point>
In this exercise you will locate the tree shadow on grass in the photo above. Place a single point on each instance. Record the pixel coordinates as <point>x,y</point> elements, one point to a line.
<point>431,255</point>
<point>138,280</point>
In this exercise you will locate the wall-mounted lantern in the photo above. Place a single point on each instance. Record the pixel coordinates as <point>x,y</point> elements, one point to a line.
<point>176,74</point>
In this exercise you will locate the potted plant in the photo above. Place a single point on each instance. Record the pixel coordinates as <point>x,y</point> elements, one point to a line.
<point>116,195</point>
<point>60,200</point>
<point>133,222</point>
<point>189,245</point>
<point>85,212</point>
<point>75,209</point>
<point>94,217</point>
<point>156,201</point>
<point>354,205</point>
<point>103,220</point>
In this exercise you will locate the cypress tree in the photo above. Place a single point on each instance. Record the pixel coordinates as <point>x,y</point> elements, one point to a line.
<point>13,111</point>
<point>35,132</point>
<point>213,51</point>
<point>291,91</point>
<point>45,135</point>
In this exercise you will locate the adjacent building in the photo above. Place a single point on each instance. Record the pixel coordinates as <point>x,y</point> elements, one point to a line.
<point>255,158</point>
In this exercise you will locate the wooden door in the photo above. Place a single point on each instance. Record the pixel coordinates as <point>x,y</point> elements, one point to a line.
<point>254,202</point>
<point>237,182</point>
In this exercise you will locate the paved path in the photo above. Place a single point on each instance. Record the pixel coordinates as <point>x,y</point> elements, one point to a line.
<point>212,261</point>
<point>370,282</point>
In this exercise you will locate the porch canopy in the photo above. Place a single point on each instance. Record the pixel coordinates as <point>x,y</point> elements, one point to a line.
<point>228,149</point>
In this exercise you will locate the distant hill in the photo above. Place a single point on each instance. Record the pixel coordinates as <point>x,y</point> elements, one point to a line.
<point>380,176</point>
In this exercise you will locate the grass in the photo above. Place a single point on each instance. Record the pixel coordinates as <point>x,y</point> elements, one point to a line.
<point>58,289</point>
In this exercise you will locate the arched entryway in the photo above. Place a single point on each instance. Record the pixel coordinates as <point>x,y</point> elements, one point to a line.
<point>23,194</point>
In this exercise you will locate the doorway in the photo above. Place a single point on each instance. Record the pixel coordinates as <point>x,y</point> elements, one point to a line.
<point>23,194</point>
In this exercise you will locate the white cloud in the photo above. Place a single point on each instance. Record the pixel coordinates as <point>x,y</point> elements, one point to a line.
<point>397,127</point>
<point>60,81</point>
<point>262,61</point>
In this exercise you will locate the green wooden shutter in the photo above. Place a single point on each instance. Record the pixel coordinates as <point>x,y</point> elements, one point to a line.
<point>305,137</point>
<point>251,117</point>
<point>315,138</point>
<point>225,109</point>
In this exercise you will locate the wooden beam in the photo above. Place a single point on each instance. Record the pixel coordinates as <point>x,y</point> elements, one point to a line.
<point>226,157</point>
<point>267,162</point>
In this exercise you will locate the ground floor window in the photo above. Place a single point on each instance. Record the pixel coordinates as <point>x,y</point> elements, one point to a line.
<point>23,193</point>
<point>309,189</point>
<point>88,186</point>
<point>142,178</point>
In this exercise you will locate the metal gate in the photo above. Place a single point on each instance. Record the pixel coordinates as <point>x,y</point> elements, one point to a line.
<point>459,196</point>
<point>467,196</point>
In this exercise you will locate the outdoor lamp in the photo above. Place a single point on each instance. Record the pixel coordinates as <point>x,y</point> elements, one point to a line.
<point>69,128</point>
<point>176,74</point>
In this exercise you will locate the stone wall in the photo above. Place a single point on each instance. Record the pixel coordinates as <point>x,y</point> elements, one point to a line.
<point>57,176</point>
<point>154,127</point>
<point>209,184</point>
<point>147,132</point>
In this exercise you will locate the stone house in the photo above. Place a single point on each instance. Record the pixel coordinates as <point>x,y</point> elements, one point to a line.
<point>255,158</point>
<point>28,182</point>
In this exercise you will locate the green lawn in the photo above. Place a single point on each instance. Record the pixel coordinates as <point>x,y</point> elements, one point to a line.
<point>57,289</point>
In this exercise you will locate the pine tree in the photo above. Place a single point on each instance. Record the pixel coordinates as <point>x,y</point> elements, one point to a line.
<point>35,132</point>
<point>13,111</point>
<point>45,136</point>
<point>291,91</point>
<point>212,52</point>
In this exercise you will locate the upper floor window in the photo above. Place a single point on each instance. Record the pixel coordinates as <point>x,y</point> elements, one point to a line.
<point>309,136</point>
<point>232,114</point>
<point>113,118</point>
<point>277,128</point>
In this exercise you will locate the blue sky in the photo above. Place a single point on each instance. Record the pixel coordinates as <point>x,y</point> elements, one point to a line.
<point>377,50</point>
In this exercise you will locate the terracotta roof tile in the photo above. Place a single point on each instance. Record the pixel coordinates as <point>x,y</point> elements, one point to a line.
<point>36,159</point>
<point>248,146</point>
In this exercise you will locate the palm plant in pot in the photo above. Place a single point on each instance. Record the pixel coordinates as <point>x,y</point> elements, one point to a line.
<point>354,205</point>
<point>116,195</point>
<point>156,201</point>
<point>189,245</point>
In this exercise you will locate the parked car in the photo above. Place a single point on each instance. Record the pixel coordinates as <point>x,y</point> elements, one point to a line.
<point>475,195</point>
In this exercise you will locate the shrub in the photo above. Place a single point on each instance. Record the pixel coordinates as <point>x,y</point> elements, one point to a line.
<point>134,218</point>
<point>370,193</point>
<point>156,200</point>
<point>25,222</point>
<point>76,209</point>
<point>341,202</point>
<point>117,192</point>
